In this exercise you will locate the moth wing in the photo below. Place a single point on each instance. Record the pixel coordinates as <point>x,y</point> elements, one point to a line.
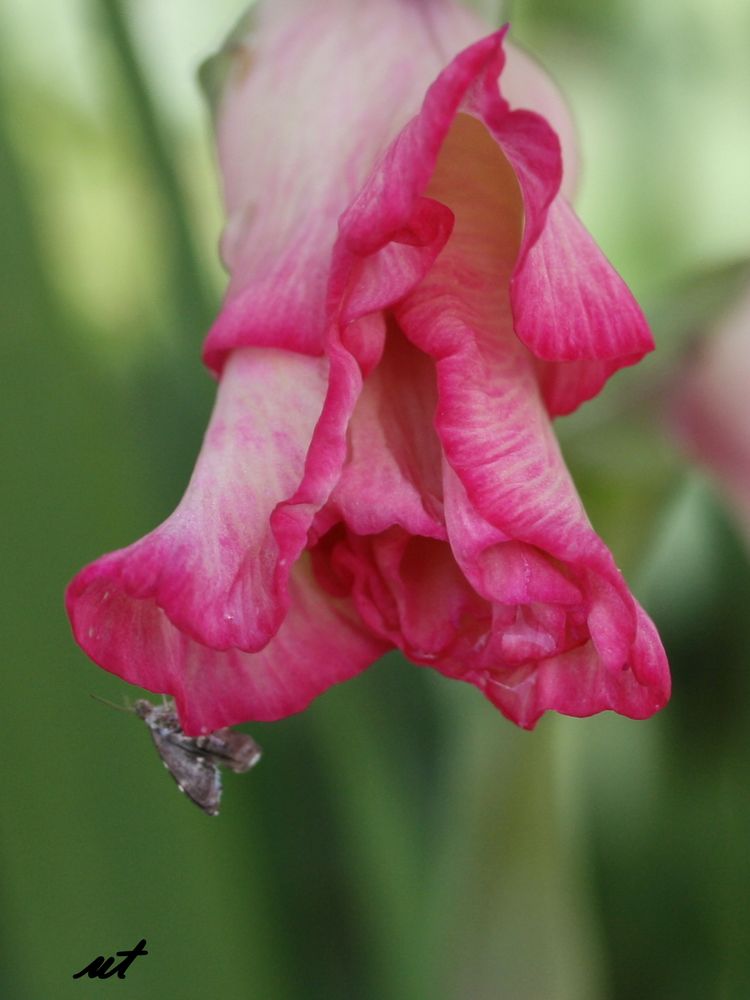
<point>237,751</point>
<point>197,776</point>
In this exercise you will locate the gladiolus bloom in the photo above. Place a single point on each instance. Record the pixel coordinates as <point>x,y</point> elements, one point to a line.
<point>412,299</point>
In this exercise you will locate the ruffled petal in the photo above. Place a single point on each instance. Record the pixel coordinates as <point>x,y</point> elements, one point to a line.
<point>501,568</point>
<point>392,471</point>
<point>526,85</point>
<point>522,536</point>
<point>321,642</point>
<point>576,684</point>
<point>565,385</point>
<point>537,652</point>
<point>408,590</point>
<point>316,91</point>
<point>215,568</point>
<point>571,306</point>
<point>568,305</point>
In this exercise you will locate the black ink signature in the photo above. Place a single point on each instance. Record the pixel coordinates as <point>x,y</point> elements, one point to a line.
<point>100,968</point>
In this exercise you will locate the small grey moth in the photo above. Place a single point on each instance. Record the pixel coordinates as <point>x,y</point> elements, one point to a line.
<point>194,761</point>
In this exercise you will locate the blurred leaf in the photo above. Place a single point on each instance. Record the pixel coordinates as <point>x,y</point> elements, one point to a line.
<point>671,817</point>
<point>193,303</point>
<point>693,304</point>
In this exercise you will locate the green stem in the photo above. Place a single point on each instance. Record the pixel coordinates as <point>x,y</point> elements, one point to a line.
<point>383,857</point>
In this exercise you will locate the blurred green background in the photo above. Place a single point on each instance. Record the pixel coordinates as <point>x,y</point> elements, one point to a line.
<point>400,839</point>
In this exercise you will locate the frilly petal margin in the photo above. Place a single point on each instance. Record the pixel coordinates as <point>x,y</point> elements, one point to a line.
<point>574,683</point>
<point>321,642</point>
<point>214,567</point>
<point>570,308</point>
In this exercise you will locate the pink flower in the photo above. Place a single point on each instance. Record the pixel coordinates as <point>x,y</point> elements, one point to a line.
<point>712,408</point>
<point>411,300</point>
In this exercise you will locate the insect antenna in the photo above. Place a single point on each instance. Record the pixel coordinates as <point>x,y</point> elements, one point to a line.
<point>106,701</point>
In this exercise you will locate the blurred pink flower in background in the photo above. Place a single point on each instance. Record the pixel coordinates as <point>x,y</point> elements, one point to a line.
<point>411,301</point>
<point>712,406</point>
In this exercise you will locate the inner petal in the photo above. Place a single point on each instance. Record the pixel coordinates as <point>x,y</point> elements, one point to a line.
<point>409,591</point>
<point>392,475</point>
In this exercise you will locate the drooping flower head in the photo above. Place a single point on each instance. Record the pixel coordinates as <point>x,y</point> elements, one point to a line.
<point>411,301</point>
